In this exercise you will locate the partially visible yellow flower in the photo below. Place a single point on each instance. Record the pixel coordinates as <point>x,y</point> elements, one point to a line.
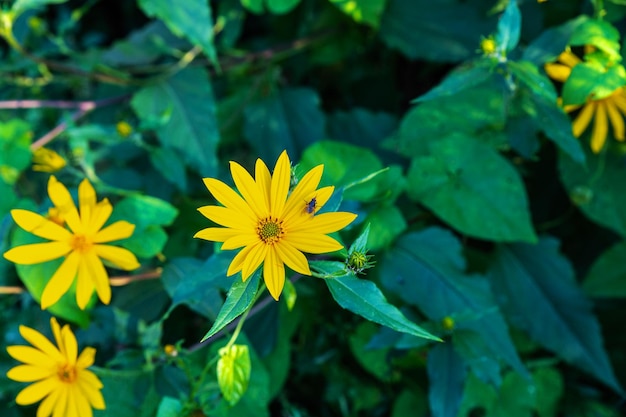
<point>59,375</point>
<point>47,160</point>
<point>274,227</point>
<point>488,46</point>
<point>82,245</point>
<point>608,109</point>
<point>124,129</point>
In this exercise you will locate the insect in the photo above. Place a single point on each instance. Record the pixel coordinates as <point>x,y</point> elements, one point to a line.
<point>311,205</point>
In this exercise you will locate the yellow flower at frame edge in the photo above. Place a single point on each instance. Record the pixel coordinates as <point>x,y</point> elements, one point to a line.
<point>608,109</point>
<point>272,226</point>
<point>82,245</point>
<point>59,375</point>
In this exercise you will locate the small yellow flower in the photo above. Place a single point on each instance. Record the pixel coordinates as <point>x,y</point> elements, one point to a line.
<point>59,375</point>
<point>82,245</point>
<point>608,109</point>
<point>47,160</point>
<point>124,129</point>
<point>274,227</point>
<point>488,46</point>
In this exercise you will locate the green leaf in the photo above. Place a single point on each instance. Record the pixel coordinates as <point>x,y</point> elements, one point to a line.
<point>185,103</point>
<point>476,353</point>
<point>470,186</point>
<point>233,372</point>
<point>411,402</point>
<point>537,289</point>
<point>144,211</point>
<point>15,155</point>
<point>363,297</point>
<point>598,33</point>
<point>589,80</point>
<point>549,390</point>
<point>362,127</point>
<point>274,6</point>
<point>20,6</point>
<point>240,297</point>
<point>190,19</point>
<point>131,392</point>
<point>461,78</point>
<point>387,223</point>
<point>509,25</point>
<point>446,375</point>
<point>362,11</point>
<point>9,199</point>
<point>169,407</point>
<point>170,165</point>
<point>407,25</point>
<point>344,165</point>
<point>146,242</point>
<point>607,276</point>
<point>432,259</point>
<point>598,191</point>
<point>375,361</point>
<point>288,119</point>
<point>552,42</point>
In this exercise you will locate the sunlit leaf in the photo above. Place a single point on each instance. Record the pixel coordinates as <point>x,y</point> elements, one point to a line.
<point>233,372</point>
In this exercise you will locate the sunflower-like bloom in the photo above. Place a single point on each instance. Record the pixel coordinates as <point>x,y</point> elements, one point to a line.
<point>47,160</point>
<point>602,111</point>
<point>82,245</point>
<point>272,226</point>
<point>59,375</point>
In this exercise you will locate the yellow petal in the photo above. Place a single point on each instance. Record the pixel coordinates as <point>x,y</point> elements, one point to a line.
<point>569,59</point>
<point>273,273</point>
<point>294,219</point>
<point>253,259</point>
<point>100,213</point>
<point>35,392</point>
<point>40,342</point>
<point>93,271</point>
<point>39,225</point>
<point>325,223</point>
<point>56,332</point>
<point>313,243</point>
<point>558,72</point>
<point>236,264</point>
<point>60,408</point>
<point>84,287</point>
<point>61,281</point>
<point>583,119</point>
<point>216,234</point>
<point>249,190</point>
<point>120,257</point>
<point>240,240</point>
<point>600,128</point>
<point>293,258</point>
<point>71,346</point>
<point>35,357</point>
<point>62,200</point>
<point>227,217</point>
<point>229,198</point>
<point>279,187</point>
<point>305,188</point>
<point>616,118</point>
<point>86,358</point>
<point>36,253</point>
<point>86,200</point>
<point>264,180</point>
<point>48,404</point>
<point>116,231</point>
<point>29,373</point>
<point>90,385</point>
<point>81,403</point>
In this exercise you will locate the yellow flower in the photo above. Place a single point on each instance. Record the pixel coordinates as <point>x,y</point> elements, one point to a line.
<point>608,109</point>
<point>124,129</point>
<point>59,376</point>
<point>488,46</point>
<point>47,160</point>
<point>82,245</point>
<point>272,226</point>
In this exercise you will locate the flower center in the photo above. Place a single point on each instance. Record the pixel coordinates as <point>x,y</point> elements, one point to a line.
<point>67,373</point>
<point>80,243</point>
<point>270,230</point>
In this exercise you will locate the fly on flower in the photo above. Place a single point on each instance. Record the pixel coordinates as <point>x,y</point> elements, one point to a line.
<point>82,244</point>
<point>311,206</point>
<point>59,375</point>
<point>268,222</point>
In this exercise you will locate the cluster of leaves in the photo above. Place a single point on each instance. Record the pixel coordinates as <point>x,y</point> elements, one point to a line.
<point>485,214</point>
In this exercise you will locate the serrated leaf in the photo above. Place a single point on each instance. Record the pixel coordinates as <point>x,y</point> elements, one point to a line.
<point>509,25</point>
<point>598,190</point>
<point>537,289</point>
<point>446,376</point>
<point>239,299</point>
<point>607,276</point>
<point>461,78</point>
<point>470,186</point>
<point>363,297</point>
<point>190,19</point>
<point>233,372</point>
<point>407,25</point>
<point>432,259</point>
<point>362,11</point>
<point>185,109</point>
<point>289,119</point>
